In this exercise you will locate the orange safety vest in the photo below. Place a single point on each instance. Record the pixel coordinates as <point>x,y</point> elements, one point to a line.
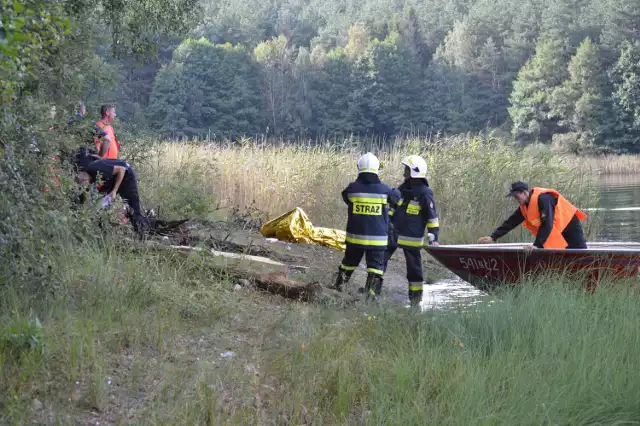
<point>562,215</point>
<point>114,146</point>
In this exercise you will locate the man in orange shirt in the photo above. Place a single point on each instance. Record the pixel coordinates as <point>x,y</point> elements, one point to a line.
<point>107,144</point>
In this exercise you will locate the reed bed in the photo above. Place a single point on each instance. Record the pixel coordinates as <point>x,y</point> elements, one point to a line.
<point>469,176</point>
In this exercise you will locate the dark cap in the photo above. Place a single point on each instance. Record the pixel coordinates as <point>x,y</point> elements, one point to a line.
<point>518,186</point>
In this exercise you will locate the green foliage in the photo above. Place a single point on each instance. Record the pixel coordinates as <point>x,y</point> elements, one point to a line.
<point>136,24</point>
<point>619,23</point>
<point>30,34</point>
<point>531,109</point>
<point>23,336</point>
<point>396,86</point>
<point>579,102</point>
<point>380,68</point>
<point>626,97</point>
<point>47,63</point>
<point>331,90</point>
<point>207,90</point>
<point>276,59</point>
<point>628,87</point>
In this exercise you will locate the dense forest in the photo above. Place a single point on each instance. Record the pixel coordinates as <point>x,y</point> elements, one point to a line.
<point>564,72</point>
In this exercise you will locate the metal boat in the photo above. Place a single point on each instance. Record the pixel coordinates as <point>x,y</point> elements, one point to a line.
<point>486,266</point>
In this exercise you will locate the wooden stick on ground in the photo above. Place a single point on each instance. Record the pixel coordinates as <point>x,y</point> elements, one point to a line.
<point>268,274</point>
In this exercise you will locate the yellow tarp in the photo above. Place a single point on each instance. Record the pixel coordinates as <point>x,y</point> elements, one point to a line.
<point>295,227</point>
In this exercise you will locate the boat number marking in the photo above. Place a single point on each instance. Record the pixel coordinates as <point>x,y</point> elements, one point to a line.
<point>490,264</point>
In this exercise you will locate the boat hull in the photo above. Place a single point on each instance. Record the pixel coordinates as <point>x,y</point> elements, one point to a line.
<point>487,266</point>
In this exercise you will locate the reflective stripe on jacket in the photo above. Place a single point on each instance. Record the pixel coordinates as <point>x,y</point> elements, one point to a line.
<point>414,214</point>
<point>368,211</point>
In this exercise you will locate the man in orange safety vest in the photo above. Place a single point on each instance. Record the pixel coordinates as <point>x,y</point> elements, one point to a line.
<point>551,218</point>
<point>106,142</point>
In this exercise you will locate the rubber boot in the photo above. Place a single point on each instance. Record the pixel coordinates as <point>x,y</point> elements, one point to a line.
<point>373,287</point>
<point>363,290</point>
<point>342,279</point>
<point>415,297</point>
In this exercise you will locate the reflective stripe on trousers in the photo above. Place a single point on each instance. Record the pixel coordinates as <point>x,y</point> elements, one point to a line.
<point>416,286</point>
<point>374,257</point>
<point>367,240</point>
<point>347,268</point>
<point>413,259</point>
<point>410,241</point>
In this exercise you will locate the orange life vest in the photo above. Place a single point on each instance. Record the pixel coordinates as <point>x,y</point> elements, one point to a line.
<point>562,215</point>
<point>114,146</point>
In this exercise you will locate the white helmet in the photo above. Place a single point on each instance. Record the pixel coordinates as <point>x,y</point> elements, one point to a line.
<point>368,163</point>
<point>417,165</point>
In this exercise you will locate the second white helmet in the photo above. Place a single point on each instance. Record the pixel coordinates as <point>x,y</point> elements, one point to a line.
<point>417,165</point>
<point>368,163</point>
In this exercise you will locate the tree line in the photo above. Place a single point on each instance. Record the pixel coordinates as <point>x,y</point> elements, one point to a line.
<point>562,72</point>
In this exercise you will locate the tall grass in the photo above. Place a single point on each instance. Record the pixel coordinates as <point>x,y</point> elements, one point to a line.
<point>119,335</point>
<point>469,176</point>
<point>545,354</point>
<point>138,339</point>
<point>610,164</point>
<point>108,335</point>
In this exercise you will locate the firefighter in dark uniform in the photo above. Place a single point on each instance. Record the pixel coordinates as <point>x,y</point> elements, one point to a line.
<point>413,216</point>
<point>367,227</point>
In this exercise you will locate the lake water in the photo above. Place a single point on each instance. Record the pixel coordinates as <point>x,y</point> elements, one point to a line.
<point>619,208</point>
<point>618,218</point>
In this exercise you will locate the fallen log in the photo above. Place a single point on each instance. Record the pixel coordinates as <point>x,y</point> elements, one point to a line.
<point>240,264</point>
<point>267,274</point>
<point>279,283</point>
<point>237,264</point>
<point>240,242</point>
<point>307,292</point>
<point>164,227</point>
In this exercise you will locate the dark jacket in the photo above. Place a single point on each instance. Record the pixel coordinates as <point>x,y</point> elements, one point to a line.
<point>368,222</point>
<point>104,169</point>
<point>415,213</point>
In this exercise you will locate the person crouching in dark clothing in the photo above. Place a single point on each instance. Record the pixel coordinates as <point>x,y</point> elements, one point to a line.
<point>118,178</point>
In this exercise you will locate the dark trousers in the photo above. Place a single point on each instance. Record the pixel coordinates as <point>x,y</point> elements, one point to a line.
<point>128,190</point>
<point>413,257</point>
<point>573,234</point>
<point>353,255</point>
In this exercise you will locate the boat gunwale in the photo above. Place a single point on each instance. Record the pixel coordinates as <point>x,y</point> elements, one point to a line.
<point>597,247</point>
